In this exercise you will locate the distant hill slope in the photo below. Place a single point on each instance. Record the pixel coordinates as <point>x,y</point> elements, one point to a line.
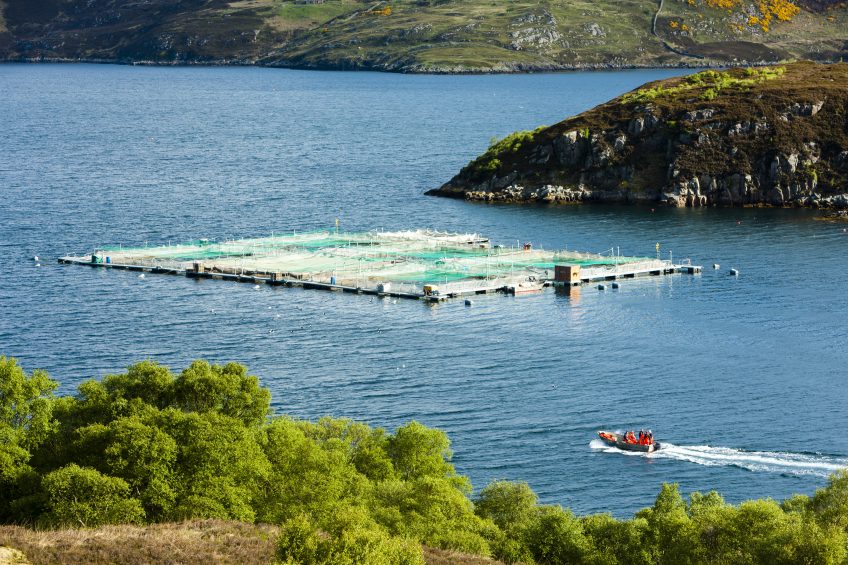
<point>424,35</point>
<point>758,136</point>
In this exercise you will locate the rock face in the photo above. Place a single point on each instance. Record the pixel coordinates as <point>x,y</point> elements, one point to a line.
<point>771,136</point>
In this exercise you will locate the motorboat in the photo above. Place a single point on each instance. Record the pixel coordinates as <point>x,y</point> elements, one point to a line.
<point>617,440</point>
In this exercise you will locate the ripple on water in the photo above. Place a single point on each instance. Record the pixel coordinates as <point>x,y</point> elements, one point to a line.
<point>97,155</point>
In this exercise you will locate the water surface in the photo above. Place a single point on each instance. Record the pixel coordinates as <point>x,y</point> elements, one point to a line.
<point>744,377</point>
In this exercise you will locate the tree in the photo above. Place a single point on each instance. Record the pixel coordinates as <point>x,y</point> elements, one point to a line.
<point>620,542</point>
<point>556,536</point>
<point>25,404</point>
<point>26,420</point>
<point>144,456</point>
<point>301,543</point>
<point>368,448</point>
<point>671,533</point>
<point>228,390</point>
<point>511,506</point>
<point>78,496</point>
<point>418,451</point>
<point>147,381</point>
<point>306,476</point>
<point>830,504</point>
<point>219,468</point>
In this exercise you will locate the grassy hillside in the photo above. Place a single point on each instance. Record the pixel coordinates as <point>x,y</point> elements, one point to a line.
<point>423,35</point>
<point>200,542</point>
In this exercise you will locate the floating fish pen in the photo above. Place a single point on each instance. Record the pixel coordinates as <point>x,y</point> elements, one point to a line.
<point>420,264</point>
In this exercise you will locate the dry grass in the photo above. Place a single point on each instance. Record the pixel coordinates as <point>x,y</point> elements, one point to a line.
<point>200,541</point>
<point>9,556</point>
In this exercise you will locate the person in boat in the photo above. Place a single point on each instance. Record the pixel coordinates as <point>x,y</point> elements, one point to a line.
<point>650,437</point>
<point>629,437</point>
<point>642,437</point>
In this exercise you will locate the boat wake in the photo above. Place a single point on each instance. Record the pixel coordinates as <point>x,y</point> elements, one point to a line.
<point>757,461</point>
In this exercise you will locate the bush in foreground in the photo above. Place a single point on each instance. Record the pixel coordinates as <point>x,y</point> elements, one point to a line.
<point>148,446</point>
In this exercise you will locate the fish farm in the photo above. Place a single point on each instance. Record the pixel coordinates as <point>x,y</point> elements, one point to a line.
<point>419,264</point>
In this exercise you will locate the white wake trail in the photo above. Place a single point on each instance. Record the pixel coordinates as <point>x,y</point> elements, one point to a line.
<point>756,461</point>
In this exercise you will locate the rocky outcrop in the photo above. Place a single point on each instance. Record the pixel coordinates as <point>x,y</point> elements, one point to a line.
<point>776,137</point>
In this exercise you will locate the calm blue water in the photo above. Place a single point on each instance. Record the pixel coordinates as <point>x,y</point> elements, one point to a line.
<point>744,376</point>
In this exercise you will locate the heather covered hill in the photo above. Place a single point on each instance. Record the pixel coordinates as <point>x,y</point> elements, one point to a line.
<point>757,136</point>
<point>426,35</point>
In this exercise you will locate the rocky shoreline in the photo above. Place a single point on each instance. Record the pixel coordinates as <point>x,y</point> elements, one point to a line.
<point>773,137</point>
<point>505,68</point>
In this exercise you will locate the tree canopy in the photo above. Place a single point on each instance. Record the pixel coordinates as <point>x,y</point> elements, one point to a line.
<point>150,446</point>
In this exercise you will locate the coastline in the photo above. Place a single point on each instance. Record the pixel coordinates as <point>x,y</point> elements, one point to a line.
<point>769,139</point>
<point>505,69</point>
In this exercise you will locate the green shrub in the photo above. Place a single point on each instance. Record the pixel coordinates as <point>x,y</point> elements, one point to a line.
<point>556,536</point>
<point>709,94</point>
<point>301,543</point>
<point>146,446</point>
<point>711,81</point>
<point>78,496</point>
<point>511,506</point>
<point>490,162</point>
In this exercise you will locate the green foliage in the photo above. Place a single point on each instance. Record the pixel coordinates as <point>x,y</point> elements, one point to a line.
<point>147,381</point>
<point>670,531</point>
<point>509,505</point>
<point>491,161</point>
<point>301,543</point>
<point>811,172</point>
<point>306,475</point>
<point>26,421</point>
<point>142,455</point>
<point>228,390</point>
<point>79,496</point>
<point>709,82</point>
<point>830,504</point>
<point>146,446</point>
<point>220,465</point>
<point>418,451</point>
<point>556,536</point>
<point>25,405</point>
<point>618,541</point>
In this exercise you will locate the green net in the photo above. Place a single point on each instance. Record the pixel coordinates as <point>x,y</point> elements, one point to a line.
<point>420,257</point>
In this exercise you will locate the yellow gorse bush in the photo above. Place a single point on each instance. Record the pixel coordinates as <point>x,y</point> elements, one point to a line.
<point>768,11</point>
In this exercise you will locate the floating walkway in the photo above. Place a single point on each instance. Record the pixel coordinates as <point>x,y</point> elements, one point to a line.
<point>420,264</point>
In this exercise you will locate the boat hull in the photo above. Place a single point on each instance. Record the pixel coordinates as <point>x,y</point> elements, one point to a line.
<point>617,441</point>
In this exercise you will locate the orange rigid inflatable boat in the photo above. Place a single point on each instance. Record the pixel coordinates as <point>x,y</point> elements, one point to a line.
<point>617,440</point>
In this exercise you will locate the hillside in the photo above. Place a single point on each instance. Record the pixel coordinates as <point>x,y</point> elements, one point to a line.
<point>200,542</point>
<point>765,136</point>
<point>425,35</point>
